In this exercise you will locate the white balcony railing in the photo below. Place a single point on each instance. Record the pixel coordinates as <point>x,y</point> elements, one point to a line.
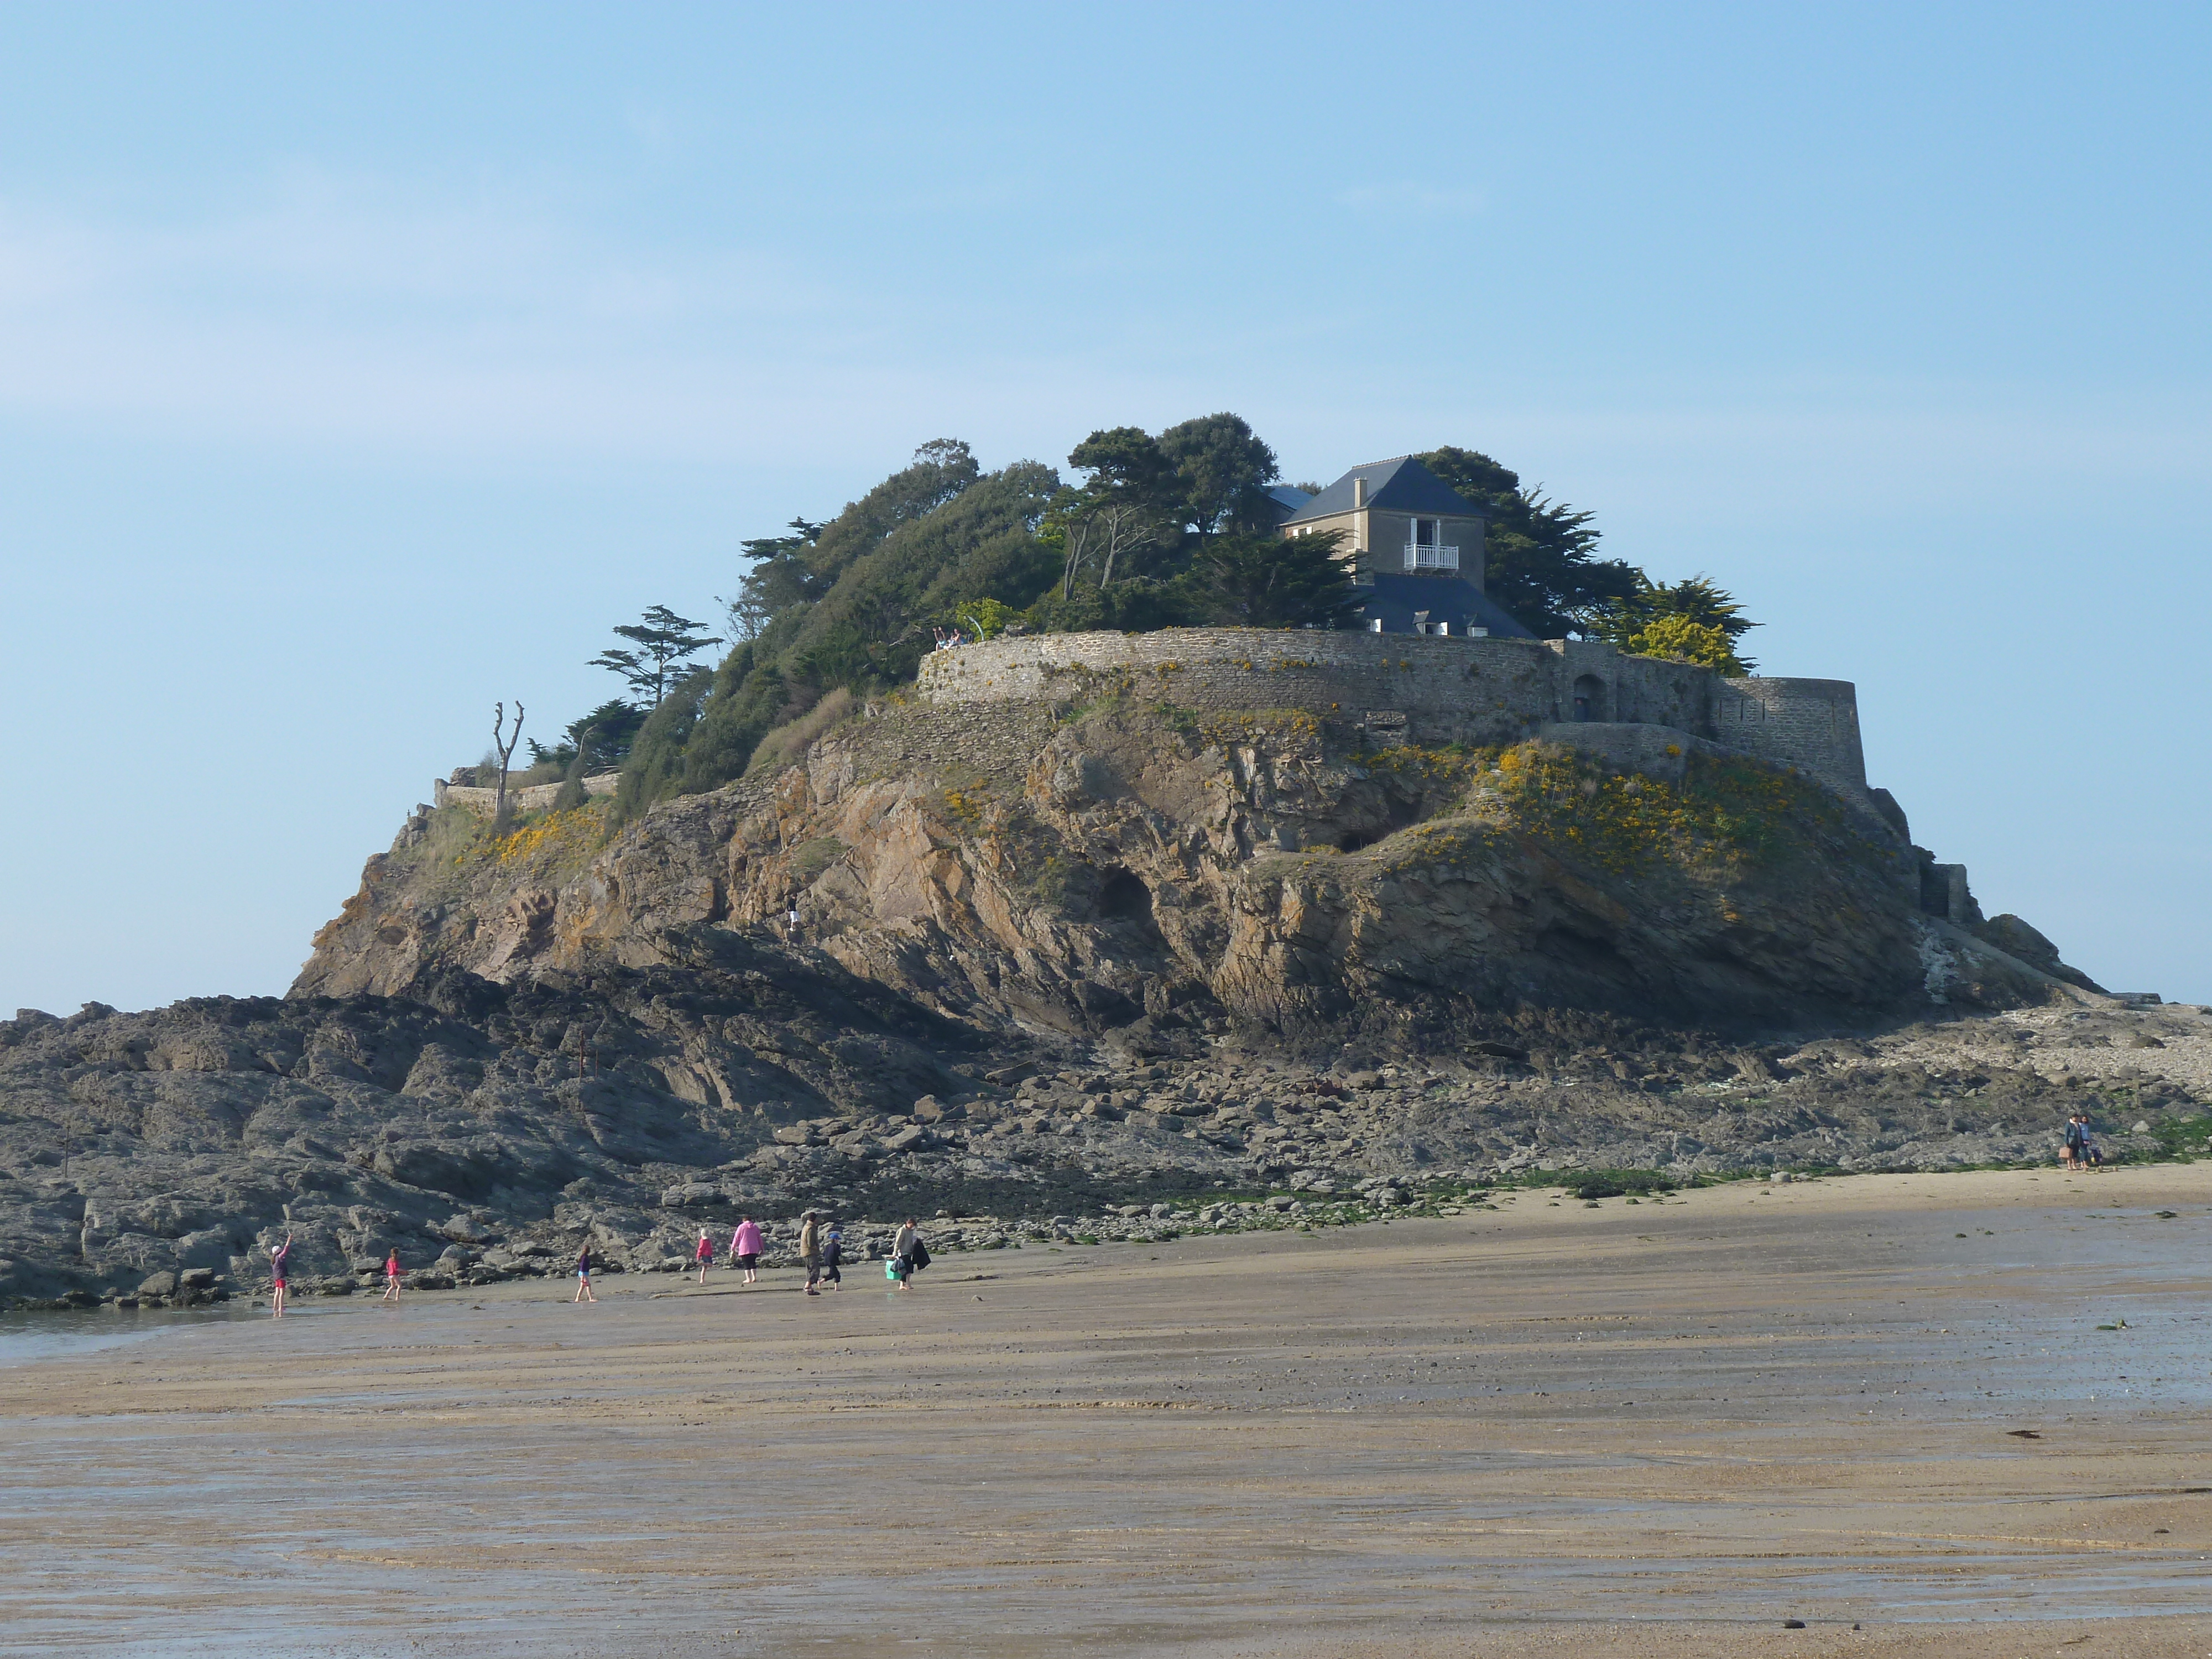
<point>1420,556</point>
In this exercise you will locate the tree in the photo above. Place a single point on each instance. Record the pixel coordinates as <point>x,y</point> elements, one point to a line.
<point>779,580</point>
<point>1268,582</point>
<point>1687,641</point>
<point>1673,620</point>
<point>1120,509</point>
<point>941,469</point>
<point>1697,599</point>
<point>1537,553</point>
<point>601,737</point>
<point>984,619</point>
<point>503,745</point>
<point>664,641</point>
<point>656,762</point>
<point>1222,468</point>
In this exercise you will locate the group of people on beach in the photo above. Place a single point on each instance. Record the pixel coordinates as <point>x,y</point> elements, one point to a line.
<point>821,1251</point>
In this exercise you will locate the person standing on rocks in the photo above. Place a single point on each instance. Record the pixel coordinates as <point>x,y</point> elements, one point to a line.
<point>583,1278</point>
<point>810,1250</point>
<point>704,1254</point>
<point>391,1277</point>
<point>745,1248</point>
<point>277,1258</point>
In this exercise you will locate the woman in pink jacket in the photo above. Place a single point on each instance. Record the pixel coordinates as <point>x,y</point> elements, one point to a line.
<point>745,1248</point>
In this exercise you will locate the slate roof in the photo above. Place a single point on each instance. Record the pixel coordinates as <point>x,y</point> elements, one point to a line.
<point>1396,597</point>
<point>1401,484</point>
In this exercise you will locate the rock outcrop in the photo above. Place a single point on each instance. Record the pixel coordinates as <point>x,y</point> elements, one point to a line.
<point>154,1157</point>
<point>1019,868</point>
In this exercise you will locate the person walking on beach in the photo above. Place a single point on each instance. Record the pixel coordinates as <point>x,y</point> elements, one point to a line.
<point>909,1253</point>
<point>391,1277</point>
<point>704,1254</point>
<point>833,1253</point>
<point>583,1278</point>
<point>745,1248</point>
<point>277,1258</point>
<point>810,1250</point>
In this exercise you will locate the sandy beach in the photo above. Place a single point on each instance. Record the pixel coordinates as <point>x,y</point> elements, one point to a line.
<point>1885,1407</point>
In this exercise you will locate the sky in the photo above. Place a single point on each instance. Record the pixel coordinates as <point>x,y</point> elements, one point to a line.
<point>362,366</point>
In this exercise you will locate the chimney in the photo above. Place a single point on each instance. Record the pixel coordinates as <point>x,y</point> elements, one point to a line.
<point>1360,492</point>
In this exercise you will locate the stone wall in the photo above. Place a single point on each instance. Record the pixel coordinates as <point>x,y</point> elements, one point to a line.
<point>1812,724</point>
<point>1476,690</point>
<point>535,799</point>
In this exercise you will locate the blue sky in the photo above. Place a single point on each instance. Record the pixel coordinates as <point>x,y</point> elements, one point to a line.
<point>361,365</point>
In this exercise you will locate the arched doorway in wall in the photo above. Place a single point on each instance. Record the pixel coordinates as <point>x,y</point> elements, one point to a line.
<point>1590,697</point>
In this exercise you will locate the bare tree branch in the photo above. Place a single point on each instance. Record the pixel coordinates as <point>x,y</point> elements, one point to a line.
<point>504,745</point>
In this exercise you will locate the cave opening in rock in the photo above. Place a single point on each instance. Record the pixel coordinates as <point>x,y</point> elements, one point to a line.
<point>1123,896</point>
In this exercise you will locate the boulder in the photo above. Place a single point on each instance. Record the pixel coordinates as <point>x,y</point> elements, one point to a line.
<point>196,1279</point>
<point>161,1284</point>
<point>912,1137</point>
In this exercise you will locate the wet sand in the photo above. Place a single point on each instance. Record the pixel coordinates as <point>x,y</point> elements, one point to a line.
<point>1649,1429</point>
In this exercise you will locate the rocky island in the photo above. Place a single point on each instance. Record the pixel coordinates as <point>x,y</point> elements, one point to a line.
<point>1088,933</point>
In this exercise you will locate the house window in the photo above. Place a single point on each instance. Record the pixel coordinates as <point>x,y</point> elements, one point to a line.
<point>1427,551</point>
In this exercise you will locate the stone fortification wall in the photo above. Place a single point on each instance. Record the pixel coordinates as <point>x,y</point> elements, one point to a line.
<point>535,799</point>
<point>1812,724</point>
<point>1476,690</point>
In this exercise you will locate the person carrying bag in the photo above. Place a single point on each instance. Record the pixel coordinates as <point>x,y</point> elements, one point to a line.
<point>910,1256</point>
